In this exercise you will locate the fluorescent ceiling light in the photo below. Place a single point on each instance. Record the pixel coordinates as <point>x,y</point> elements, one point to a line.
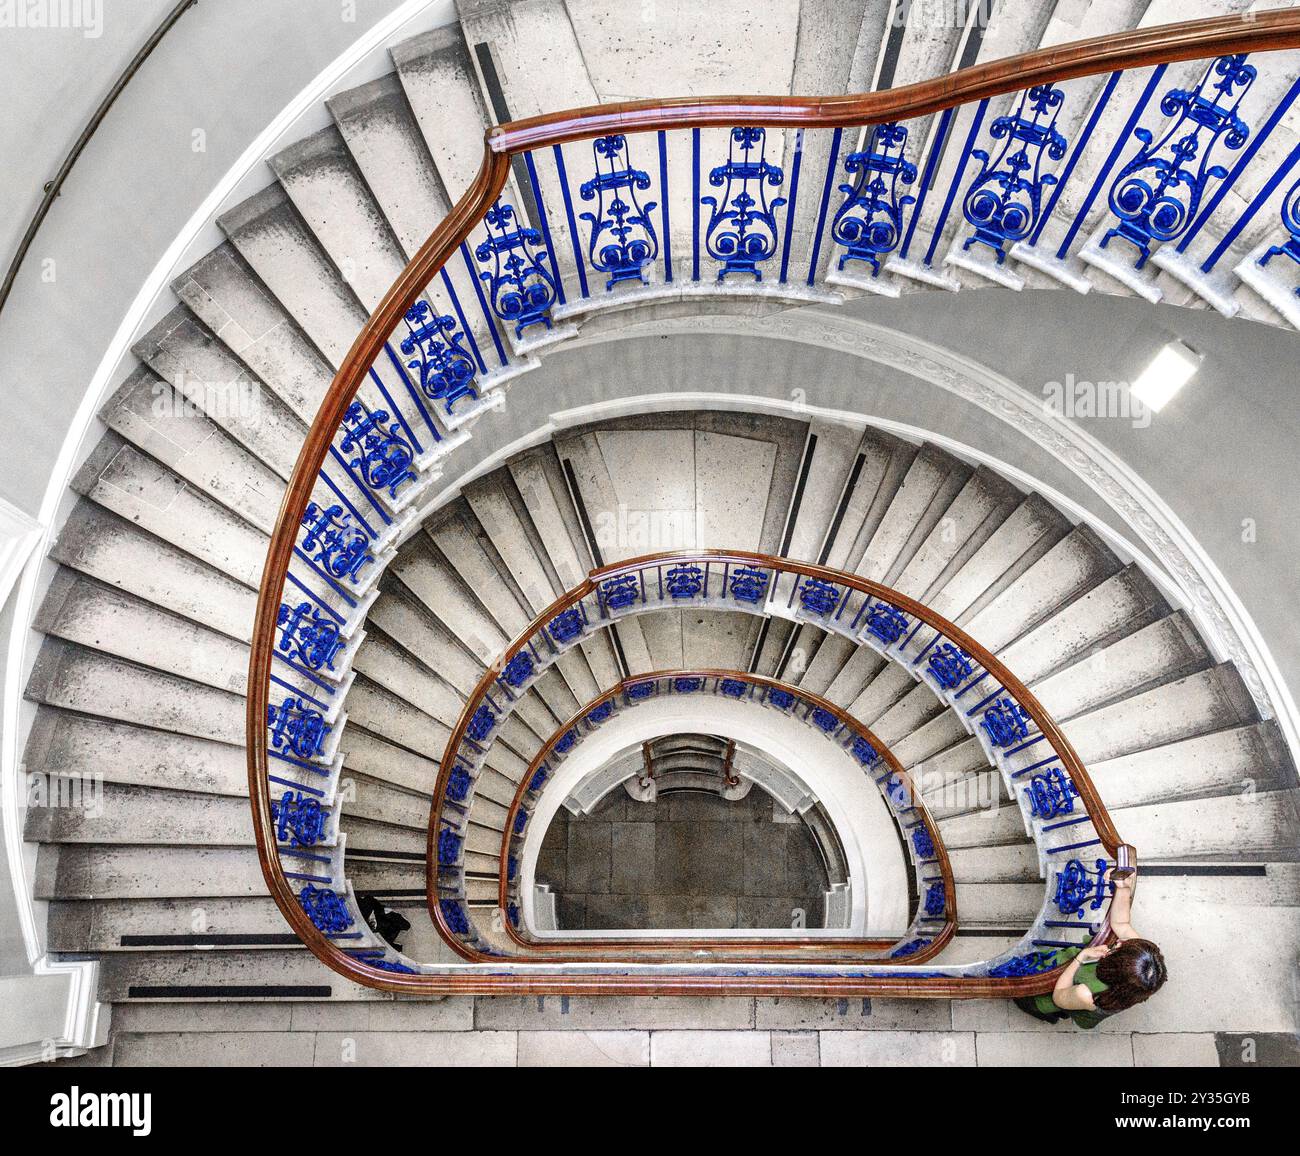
<point>1171,369</point>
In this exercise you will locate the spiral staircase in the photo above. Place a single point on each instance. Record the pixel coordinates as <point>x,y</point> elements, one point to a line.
<point>142,681</point>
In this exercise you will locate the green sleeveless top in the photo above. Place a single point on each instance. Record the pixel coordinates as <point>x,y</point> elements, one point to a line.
<point>1086,975</point>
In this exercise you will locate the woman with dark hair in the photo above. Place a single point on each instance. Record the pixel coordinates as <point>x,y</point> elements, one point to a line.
<point>1100,981</point>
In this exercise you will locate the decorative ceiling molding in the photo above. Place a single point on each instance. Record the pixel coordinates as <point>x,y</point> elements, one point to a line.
<point>1225,623</point>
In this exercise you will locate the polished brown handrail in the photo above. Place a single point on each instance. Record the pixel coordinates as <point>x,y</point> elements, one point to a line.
<point>1135,48</point>
<point>1144,48</point>
<point>721,947</point>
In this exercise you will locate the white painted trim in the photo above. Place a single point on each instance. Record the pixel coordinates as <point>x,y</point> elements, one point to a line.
<point>411,18</point>
<point>19,535</point>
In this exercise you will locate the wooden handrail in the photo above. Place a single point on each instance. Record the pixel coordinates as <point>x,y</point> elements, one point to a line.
<point>1135,48</point>
<point>1204,39</point>
<point>720,947</point>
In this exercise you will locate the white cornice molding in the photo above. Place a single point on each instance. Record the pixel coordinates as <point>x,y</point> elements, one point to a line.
<point>1204,592</point>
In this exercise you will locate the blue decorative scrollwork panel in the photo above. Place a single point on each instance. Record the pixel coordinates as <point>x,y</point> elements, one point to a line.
<point>383,457</point>
<point>1156,195</point>
<point>1290,222</point>
<point>521,287</point>
<point>869,224</point>
<point>742,229</point>
<point>1005,201</point>
<point>434,346</point>
<point>622,239</point>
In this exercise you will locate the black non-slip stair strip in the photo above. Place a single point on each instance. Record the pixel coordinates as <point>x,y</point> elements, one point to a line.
<point>405,856</point>
<point>221,991</point>
<point>223,939</point>
<point>1240,870</point>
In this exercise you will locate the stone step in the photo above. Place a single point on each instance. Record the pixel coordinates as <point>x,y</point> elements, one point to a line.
<point>226,975</point>
<point>202,370</point>
<point>79,609</point>
<point>116,814</point>
<point>1207,701</point>
<point>156,924</point>
<point>270,235</point>
<point>119,553</point>
<point>148,413</point>
<point>224,293</point>
<point>119,477</point>
<point>128,872</point>
<point>326,188</point>
<point>82,746</point>
<point>69,676</point>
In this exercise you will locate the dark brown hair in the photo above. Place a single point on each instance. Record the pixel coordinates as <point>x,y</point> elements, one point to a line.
<point>1132,972</point>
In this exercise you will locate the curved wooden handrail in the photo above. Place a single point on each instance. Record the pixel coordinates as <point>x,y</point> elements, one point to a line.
<point>719,947</point>
<point>1143,48</point>
<point>1135,48</point>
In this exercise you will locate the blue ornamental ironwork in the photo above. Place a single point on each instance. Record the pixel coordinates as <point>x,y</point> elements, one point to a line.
<point>684,581</point>
<point>620,591</point>
<point>297,729</point>
<point>521,820</point>
<point>742,230</point>
<point>732,687</point>
<point>1291,223</point>
<point>512,913</point>
<point>1051,794</point>
<point>818,597</point>
<point>446,368</point>
<point>936,899</point>
<point>458,784</point>
<point>1078,888</point>
<point>309,634</point>
<point>566,626</point>
<point>454,916</point>
<point>950,665</point>
<point>341,548</point>
<point>823,720</point>
<point>1005,722</point>
<point>391,965</point>
<point>522,289</point>
<point>512,868</point>
<point>481,723</point>
<point>299,819</point>
<point>623,240</point>
<point>687,685</point>
<point>865,753</point>
<point>449,844</point>
<point>1157,194</point>
<point>869,224</point>
<point>384,458</point>
<point>565,741</point>
<point>922,843</point>
<point>781,699</point>
<point>748,585</point>
<point>887,622</point>
<point>640,690</point>
<point>598,714</point>
<point>538,781</point>
<point>519,669</point>
<point>1005,201</point>
<point>910,948</point>
<point>1034,963</point>
<point>326,909</point>
<point>896,792</point>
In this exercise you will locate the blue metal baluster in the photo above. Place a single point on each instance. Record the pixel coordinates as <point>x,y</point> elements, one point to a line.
<point>1079,146</point>
<point>545,224</point>
<point>931,162</point>
<point>482,301</point>
<point>695,204</point>
<point>831,165</point>
<point>796,165</point>
<point>663,207</point>
<point>1252,209</point>
<point>460,316</point>
<point>1246,157</point>
<point>578,262</point>
<point>976,123</point>
<point>1116,150</point>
